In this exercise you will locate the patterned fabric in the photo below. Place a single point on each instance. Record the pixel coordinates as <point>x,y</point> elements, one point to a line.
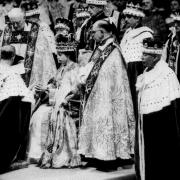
<point>7,35</point>
<point>61,142</point>
<point>19,37</point>
<point>38,131</point>
<point>107,129</point>
<point>172,52</point>
<point>98,58</point>
<point>39,125</point>
<point>27,38</point>
<point>29,57</point>
<point>63,70</point>
<point>39,61</point>
<point>44,67</point>
<point>45,29</point>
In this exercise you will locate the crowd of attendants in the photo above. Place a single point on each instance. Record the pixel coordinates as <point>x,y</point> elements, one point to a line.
<point>157,12</point>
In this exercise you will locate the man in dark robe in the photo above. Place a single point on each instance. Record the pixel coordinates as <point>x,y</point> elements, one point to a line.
<point>158,123</point>
<point>131,45</point>
<point>95,8</point>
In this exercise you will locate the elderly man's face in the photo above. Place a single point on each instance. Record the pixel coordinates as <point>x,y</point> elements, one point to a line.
<point>147,4</point>
<point>97,33</point>
<point>18,23</point>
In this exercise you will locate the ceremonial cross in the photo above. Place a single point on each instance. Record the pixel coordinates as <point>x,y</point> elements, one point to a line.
<point>103,56</point>
<point>88,87</point>
<point>18,37</point>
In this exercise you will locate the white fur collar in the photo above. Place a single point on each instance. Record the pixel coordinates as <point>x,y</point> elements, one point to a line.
<point>157,88</point>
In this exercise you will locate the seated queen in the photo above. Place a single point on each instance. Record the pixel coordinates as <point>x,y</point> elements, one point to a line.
<point>53,133</point>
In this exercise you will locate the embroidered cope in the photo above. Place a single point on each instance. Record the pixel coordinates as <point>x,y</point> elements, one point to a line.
<point>107,129</point>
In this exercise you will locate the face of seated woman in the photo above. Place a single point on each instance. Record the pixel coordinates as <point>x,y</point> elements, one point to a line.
<point>62,58</point>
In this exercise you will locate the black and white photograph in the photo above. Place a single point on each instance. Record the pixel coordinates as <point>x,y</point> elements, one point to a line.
<point>89,90</point>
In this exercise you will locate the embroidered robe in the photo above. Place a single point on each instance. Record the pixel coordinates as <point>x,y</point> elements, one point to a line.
<point>107,128</point>
<point>34,45</point>
<point>53,131</point>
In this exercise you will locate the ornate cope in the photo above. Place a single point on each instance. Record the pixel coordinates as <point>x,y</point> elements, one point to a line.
<point>23,37</point>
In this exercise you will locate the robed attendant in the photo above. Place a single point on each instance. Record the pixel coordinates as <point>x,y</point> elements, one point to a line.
<point>31,42</point>
<point>53,128</point>
<point>15,108</point>
<point>158,123</point>
<point>107,127</point>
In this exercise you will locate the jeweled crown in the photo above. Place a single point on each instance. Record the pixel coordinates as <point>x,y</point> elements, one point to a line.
<point>152,46</point>
<point>134,10</point>
<point>65,40</point>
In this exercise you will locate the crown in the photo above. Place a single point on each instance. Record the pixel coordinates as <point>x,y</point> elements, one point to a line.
<point>82,13</point>
<point>31,7</point>
<point>96,2</point>
<point>133,9</point>
<point>66,46</point>
<point>63,24</point>
<point>175,17</point>
<point>172,18</point>
<point>65,41</point>
<point>152,46</point>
